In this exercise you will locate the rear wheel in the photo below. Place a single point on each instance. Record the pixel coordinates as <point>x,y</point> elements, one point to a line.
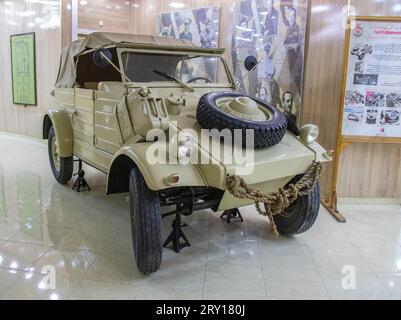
<point>301,215</point>
<point>62,167</point>
<point>145,224</point>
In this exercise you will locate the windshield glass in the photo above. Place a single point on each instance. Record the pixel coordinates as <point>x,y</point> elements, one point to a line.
<point>190,69</point>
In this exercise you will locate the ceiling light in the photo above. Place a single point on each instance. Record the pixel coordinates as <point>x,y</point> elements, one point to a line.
<point>177,5</point>
<point>83,2</point>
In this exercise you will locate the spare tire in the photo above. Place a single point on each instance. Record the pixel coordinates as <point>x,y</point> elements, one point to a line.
<point>229,110</point>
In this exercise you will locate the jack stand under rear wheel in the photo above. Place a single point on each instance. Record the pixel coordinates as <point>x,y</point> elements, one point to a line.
<point>80,184</point>
<point>230,214</point>
<point>177,233</point>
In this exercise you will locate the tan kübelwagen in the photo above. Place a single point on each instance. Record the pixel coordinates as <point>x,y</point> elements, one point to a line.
<point>161,117</point>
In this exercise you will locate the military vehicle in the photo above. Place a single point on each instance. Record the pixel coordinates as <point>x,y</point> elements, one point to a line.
<point>115,97</point>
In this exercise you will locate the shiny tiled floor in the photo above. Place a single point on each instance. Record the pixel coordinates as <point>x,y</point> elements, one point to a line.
<point>86,239</point>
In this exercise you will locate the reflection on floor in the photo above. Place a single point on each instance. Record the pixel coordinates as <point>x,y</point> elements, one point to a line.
<point>86,239</point>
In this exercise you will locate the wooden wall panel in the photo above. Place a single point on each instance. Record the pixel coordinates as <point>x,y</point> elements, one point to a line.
<point>106,15</point>
<point>43,18</point>
<point>323,73</point>
<point>66,17</point>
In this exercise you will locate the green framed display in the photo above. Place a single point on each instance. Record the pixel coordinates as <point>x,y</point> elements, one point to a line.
<point>23,69</point>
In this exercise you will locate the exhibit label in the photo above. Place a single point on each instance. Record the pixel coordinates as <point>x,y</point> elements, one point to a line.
<point>23,68</point>
<point>372,97</point>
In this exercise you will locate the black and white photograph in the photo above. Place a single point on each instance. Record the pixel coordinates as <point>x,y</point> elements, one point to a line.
<point>274,32</point>
<point>355,116</point>
<point>361,51</point>
<point>201,26</point>
<point>354,98</point>
<point>371,116</point>
<point>366,79</point>
<point>375,99</point>
<point>390,117</point>
<point>359,67</point>
<point>393,100</point>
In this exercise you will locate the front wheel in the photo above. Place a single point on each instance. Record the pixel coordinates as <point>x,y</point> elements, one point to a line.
<point>301,215</point>
<point>145,224</point>
<point>62,167</point>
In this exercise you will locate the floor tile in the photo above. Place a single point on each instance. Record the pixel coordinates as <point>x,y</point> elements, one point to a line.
<point>383,260</point>
<point>285,256</point>
<point>392,283</point>
<point>67,263</point>
<point>40,233</point>
<point>7,278</point>
<point>336,258</point>
<point>114,268</point>
<point>234,278</point>
<point>33,286</point>
<point>367,286</point>
<point>20,256</point>
<point>98,290</point>
<point>295,283</point>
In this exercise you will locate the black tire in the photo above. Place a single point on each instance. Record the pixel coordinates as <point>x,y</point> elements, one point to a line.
<point>266,134</point>
<point>62,174</point>
<point>301,215</point>
<point>145,224</point>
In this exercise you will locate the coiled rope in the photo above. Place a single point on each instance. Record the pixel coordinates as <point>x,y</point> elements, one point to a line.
<point>275,202</point>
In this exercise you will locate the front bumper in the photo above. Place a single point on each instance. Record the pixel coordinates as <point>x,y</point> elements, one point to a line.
<point>274,167</point>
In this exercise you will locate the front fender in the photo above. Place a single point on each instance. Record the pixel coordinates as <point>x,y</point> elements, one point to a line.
<point>63,128</point>
<point>154,174</point>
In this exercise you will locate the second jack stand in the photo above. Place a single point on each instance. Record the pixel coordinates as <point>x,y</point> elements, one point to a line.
<point>80,184</point>
<point>227,215</point>
<point>177,233</point>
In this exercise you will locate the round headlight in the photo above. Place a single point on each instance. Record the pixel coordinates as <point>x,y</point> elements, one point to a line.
<point>309,133</point>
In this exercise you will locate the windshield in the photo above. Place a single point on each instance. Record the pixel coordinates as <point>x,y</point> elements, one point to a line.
<point>190,69</point>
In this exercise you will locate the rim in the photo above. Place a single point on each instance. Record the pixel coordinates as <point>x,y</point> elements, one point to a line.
<point>290,211</point>
<point>245,108</point>
<point>55,154</point>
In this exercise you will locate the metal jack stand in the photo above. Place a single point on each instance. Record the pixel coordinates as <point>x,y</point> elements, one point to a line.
<point>177,233</point>
<point>227,215</point>
<point>80,184</point>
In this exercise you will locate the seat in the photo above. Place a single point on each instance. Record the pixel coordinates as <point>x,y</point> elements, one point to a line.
<point>111,86</point>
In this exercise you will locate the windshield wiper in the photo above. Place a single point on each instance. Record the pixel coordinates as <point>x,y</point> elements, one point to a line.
<point>170,77</point>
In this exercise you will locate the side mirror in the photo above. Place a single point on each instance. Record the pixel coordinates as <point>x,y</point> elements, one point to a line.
<point>99,60</point>
<point>250,62</point>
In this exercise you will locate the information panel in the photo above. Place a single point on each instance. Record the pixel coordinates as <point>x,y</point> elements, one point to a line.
<point>23,68</point>
<point>372,93</point>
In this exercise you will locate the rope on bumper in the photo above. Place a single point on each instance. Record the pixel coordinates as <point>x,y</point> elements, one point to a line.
<point>275,202</point>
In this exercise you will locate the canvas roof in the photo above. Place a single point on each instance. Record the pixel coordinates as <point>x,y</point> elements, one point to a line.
<point>66,74</point>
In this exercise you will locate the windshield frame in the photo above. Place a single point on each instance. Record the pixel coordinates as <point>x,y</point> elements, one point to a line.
<point>230,84</point>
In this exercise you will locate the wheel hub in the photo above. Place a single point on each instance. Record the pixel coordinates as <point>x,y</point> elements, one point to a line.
<point>55,154</point>
<point>244,108</point>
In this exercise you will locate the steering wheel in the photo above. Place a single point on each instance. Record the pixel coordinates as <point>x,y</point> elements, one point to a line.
<point>199,78</point>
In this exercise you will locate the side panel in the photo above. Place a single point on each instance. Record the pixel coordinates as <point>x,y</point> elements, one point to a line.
<point>108,135</point>
<point>64,98</point>
<point>83,119</point>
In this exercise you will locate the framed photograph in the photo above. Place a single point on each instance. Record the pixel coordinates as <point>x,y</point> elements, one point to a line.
<point>200,25</point>
<point>23,69</point>
<point>274,32</point>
